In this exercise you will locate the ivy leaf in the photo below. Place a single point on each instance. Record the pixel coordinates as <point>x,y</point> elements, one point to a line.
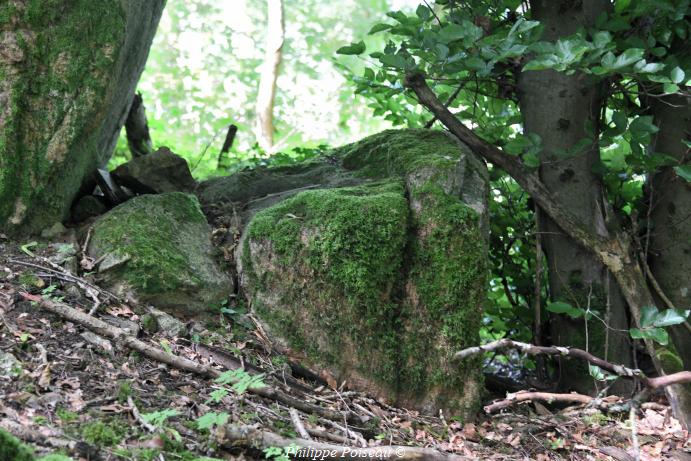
<point>684,172</point>
<point>352,49</point>
<point>677,75</point>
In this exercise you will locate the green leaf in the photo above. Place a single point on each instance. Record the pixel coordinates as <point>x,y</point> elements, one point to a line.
<point>628,57</point>
<point>620,120</point>
<point>621,5</point>
<point>353,48</point>
<point>656,334</point>
<point>670,88</point>
<point>648,67</point>
<point>208,420</point>
<point>560,307</point>
<point>684,172</point>
<point>423,12</point>
<point>379,28</point>
<point>26,248</point>
<point>670,317</point>
<point>452,32</point>
<point>659,335</point>
<point>643,126</point>
<point>393,60</point>
<point>677,75</point>
<point>602,39</point>
<point>531,160</point>
<point>648,315</point>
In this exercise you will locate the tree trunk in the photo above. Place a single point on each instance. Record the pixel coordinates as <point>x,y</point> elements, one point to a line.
<point>68,71</point>
<point>557,106</point>
<point>137,128</point>
<point>614,252</point>
<point>669,246</point>
<point>275,33</point>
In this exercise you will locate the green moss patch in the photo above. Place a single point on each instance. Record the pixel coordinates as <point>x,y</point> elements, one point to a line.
<point>55,103</point>
<point>383,282</point>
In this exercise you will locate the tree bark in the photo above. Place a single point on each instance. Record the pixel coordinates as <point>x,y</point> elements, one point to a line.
<point>137,128</point>
<point>557,106</point>
<point>67,74</point>
<point>275,36</point>
<point>669,244</point>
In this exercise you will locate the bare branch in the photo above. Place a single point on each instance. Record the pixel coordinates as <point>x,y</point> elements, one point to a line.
<point>619,370</point>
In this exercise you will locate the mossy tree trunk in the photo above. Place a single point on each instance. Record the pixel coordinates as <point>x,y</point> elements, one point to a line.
<point>557,107</point>
<point>68,71</point>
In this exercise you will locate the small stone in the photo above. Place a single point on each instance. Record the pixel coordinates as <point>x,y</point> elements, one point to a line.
<point>112,260</point>
<point>53,231</point>
<point>9,365</point>
<point>169,325</point>
<point>156,173</point>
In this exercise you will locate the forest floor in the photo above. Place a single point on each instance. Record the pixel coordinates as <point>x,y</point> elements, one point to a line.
<point>64,389</point>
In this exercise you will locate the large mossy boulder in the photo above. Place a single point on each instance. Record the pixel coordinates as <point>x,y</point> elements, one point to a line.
<point>378,284</point>
<point>159,247</point>
<point>68,72</point>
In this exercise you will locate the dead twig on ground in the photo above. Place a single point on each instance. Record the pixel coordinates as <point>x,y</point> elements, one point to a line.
<point>122,337</point>
<point>252,436</point>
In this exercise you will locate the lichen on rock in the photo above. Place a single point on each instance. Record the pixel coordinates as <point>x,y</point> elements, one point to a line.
<point>379,284</point>
<point>159,246</point>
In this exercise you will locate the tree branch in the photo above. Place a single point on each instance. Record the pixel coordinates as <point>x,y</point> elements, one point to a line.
<point>527,179</point>
<point>619,370</point>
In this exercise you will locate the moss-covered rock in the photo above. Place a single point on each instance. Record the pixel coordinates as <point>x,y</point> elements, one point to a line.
<point>380,283</point>
<point>68,69</point>
<point>159,246</point>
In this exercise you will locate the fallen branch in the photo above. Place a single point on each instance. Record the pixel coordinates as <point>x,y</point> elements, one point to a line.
<point>525,396</point>
<point>619,370</point>
<point>299,427</point>
<point>605,405</point>
<point>252,436</point>
<point>123,338</point>
<point>138,416</point>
